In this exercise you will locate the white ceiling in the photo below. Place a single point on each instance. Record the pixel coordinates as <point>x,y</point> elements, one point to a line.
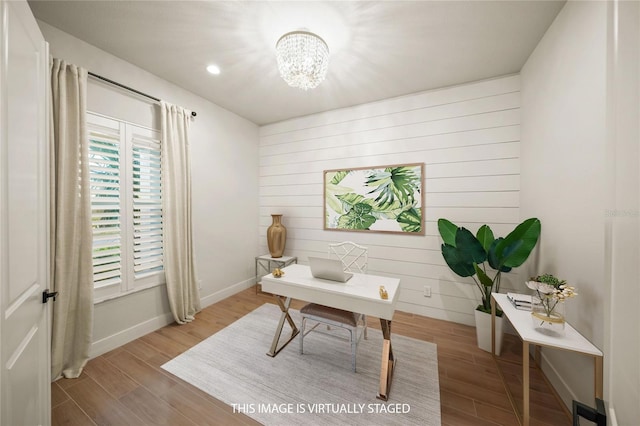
<point>379,49</point>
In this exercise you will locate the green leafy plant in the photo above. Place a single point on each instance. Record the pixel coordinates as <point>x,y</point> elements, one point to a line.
<point>483,257</point>
<point>549,279</point>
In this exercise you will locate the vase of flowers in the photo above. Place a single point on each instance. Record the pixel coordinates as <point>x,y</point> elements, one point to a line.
<point>547,312</point>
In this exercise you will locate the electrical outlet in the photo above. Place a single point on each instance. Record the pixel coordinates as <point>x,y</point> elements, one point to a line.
<point>427,291</point>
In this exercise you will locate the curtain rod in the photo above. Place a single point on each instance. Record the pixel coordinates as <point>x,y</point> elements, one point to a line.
<point>115,83</point>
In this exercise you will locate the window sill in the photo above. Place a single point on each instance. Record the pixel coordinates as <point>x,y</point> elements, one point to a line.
<point>98,301</point>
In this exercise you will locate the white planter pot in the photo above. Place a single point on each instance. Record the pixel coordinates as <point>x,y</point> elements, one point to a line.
<point>483,331</point>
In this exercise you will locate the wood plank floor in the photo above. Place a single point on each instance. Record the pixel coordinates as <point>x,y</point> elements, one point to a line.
<point>127,386</point>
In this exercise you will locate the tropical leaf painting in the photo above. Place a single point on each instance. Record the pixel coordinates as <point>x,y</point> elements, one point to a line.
<point>382,199</point>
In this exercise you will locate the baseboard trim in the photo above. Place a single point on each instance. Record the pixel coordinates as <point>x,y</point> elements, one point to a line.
<point>123,337</point>
<point>226,292</point>
<point>558,384</point>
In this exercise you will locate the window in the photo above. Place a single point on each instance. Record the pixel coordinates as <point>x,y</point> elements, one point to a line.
<point>126,206</point>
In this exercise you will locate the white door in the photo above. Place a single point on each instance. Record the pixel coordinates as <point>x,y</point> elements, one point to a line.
<point>25,383</point>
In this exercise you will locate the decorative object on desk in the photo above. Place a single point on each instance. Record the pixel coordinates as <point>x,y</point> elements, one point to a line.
<point>277,273</point>
<point>547,312</point>
<point>474,256</point>
<point>383,293</point>
<point>276,236</point>
<point>378,199</point>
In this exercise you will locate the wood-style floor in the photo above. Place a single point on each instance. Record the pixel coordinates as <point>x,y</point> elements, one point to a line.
<point>127,386</point>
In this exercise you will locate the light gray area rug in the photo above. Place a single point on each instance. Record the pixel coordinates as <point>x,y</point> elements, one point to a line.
<point>317,388</point>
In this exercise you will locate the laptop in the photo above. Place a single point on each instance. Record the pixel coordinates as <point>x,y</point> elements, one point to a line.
<point>328,269</point>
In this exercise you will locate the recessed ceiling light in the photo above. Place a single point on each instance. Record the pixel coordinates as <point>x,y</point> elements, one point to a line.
<point>213,69</point>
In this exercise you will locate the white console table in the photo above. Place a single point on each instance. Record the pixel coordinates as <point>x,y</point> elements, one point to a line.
<point>571,340</point>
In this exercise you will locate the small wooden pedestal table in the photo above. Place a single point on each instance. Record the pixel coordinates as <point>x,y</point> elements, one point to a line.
<point>570,340</point>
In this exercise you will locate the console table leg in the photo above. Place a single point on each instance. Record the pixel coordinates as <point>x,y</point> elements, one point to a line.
<point>598,377</point>
<point>284,307</point>
<point>525,383</point>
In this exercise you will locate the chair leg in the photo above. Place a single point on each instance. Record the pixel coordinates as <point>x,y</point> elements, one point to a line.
<point>304,320</point>
<point>353,333</point>
<point>354,346</point>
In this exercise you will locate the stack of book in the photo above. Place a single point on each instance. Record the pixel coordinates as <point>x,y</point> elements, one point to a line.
<point>521,301</point>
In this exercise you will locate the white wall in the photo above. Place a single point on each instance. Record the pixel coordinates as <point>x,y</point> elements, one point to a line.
<point>468,136</point>
<point>581,180</point>
<point>622,348</point>
<point>224,172</point>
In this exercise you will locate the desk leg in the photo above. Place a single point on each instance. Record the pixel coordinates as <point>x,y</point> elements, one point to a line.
<point>284,307</point>
<point>388,361</point>
<point>525,383</point>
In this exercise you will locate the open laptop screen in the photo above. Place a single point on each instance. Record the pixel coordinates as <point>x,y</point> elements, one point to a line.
<point>328,269</point>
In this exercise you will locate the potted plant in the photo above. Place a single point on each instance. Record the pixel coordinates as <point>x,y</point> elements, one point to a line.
<point>547,311</point>
<point>484,258</point>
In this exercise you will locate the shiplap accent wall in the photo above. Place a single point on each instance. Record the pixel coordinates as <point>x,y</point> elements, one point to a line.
<point>468,136</point>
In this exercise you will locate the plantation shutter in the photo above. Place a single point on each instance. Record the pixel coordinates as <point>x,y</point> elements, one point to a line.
<point>105,179</point>
<point>126,206</point>
<point>147,205</point>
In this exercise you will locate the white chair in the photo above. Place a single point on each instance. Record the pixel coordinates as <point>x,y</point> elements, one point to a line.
<point>354,258</point>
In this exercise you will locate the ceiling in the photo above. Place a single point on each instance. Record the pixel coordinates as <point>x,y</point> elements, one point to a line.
<point>379,49</point>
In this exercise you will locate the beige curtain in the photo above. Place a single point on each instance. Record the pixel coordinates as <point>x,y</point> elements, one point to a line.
<point>71,234</point>
<point>179,262</point>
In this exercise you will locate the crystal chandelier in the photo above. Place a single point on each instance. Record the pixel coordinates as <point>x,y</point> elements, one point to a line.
<point>303,58</point>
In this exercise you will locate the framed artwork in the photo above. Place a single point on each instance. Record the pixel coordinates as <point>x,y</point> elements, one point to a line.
<point>375,199</point>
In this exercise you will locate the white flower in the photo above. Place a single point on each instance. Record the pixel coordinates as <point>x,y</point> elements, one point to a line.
<point>543,288</point>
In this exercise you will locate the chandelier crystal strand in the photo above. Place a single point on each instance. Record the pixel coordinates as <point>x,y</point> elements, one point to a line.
<point>303,59</point>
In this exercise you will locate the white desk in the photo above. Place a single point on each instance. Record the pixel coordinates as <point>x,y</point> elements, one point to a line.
<point>360,294</point>
<point>570,341</point>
